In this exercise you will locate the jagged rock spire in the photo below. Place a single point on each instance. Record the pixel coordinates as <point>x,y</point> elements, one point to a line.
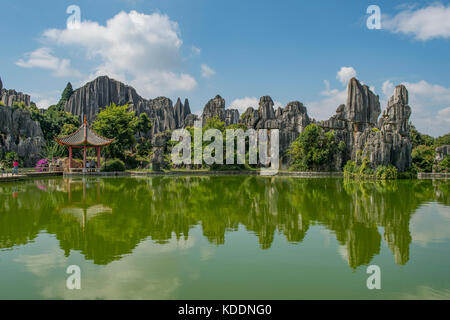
<point>363,106</point>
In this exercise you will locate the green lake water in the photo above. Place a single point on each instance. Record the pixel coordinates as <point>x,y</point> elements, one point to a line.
<point>224,237</point>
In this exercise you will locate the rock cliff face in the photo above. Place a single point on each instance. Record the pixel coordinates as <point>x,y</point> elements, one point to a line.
<point>99,93</point>
<point>216,108</point>
<point>391,144</point>
<point>95,95</point>
<point>8,97</point>
<point>441,153</point>
<point>384,141</point>
<point>20,134</point>
<point>290,120</point>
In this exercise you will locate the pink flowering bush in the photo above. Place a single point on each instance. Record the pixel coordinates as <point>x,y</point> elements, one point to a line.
<point>41,165</point>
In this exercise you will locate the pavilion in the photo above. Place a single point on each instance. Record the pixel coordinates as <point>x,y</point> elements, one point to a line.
<point>85,137</point>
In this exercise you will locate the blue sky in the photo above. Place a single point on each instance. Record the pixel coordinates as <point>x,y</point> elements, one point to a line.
<point>290,50</point>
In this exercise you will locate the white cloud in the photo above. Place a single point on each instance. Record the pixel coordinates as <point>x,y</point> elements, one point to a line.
<point>328,92</point>
<point>323,109</point>
<point>195,51</point>
<point>345,74</point>
<point>207,71</point>
<point>44,58</point>
<point>424,23</point>
<point>45,99</point>
<point>132,47</point>
<point>388,88</point>
<point>242,104</point>
<point>430,224</point>
<point>445,113</point>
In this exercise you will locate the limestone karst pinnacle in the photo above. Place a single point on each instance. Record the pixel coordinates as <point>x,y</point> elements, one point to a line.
<point>353,123</point>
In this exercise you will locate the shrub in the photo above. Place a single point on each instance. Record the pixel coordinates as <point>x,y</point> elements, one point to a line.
<point>365,168</point>
<point>423,158</point>
<point>444,165</point>
<point>313,150</point>
<point>386,172</point>
<point>10,157</point>
<point>410,173</point>
<point>130,160</point>
<point>114,165</point>
<point>350,167</point>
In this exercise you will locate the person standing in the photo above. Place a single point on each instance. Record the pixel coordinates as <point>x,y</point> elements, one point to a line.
<point>16,167</point>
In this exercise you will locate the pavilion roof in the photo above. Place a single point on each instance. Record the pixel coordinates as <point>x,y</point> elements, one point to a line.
<point>85,135</point>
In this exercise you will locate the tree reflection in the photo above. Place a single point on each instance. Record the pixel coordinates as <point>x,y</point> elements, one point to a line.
<point>107,218</point>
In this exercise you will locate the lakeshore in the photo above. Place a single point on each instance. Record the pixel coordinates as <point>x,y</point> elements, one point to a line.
<point>144,173</point>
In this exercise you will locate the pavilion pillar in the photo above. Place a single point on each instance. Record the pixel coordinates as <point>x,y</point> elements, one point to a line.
<point>84,157</point>
<point>98,157</point>
<point>70,157</point>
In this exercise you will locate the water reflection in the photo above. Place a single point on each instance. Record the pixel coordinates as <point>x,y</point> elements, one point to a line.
<point>105,219</point>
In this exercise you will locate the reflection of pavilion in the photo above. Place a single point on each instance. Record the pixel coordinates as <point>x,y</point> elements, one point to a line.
<point>85,209</point>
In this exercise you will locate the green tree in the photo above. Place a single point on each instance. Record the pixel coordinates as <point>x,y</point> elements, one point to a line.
<point>214,123</point>
<point>53,119</point>
<point>445,139</point>
<point>423,158</point>
<point>53,150</point>
<point>67,129</point>
<point>119,123</point>
<point>65,96</point>
<point>144,124</point>
<point>418,138</point>
<point>313,150</point>
<point>444,165</point>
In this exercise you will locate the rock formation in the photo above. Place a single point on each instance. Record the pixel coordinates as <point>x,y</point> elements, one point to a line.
<point>20,134</point>
<point>159,143</point>
<point>99,93</point>
<point>384,141</point>
<point>9,97</point>
<point>291,120</point>
<point>216,108</point>
<point>391,144</point>
<point>440,154</point>
<point>181,112</point>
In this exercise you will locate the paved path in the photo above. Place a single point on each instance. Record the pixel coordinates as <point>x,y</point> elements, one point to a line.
<point>11,177</point>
